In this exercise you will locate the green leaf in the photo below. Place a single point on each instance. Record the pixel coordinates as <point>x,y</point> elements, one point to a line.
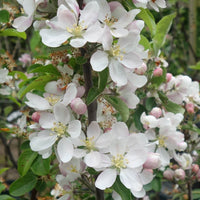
<point>41,185</point>
<point>41,166</point>
<point>150,103</point>
<point>169,105</point>
<point>3,170</point>
<point>145,42</point>
<point>23,185</point>
<point>2,187</point>
<point>149,20</point>
<point>156,184</point>
<point>119,105</point>
<point>19,74</point>
<point>196,194</point>
<point>162,28</point>
<point>195,67</point>
<point>13,32</point>
<point>37,84</point>
<point>95,92</point>
<point>6,197</point>
<point>4,16</point>
<point>122,190</point>
<point>45,69</point>
<point>136,117</point>
<point>7,110</point>
<point>25,161</point>
<point>33,67</point>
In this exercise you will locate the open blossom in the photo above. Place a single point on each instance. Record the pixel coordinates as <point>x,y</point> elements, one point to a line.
<point>79,25</point>
<point>4,75</point>
<point>56,125</point>
<point>125,53</point>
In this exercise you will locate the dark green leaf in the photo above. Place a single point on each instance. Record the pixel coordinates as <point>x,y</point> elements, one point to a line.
<point>40,186</point>
<point>92,95</point>
<point>156,184</point>
<point>19,74</point>
<point>25,161</point>
<point>41,166</point>
<point>149,20</point>
<point>13,32</point>
<point>4,16</point>
<point>162,28</point>
<point>150,103</point>
<point>136,117</point>
<point>23,185</point>
<point>196,194</point>
<point>2,187</point>
<point>119,105</point>
<point>122,190</point>
<point>37,84</point>
<point>169,105</point>
<point>25,145</point>
<point>6,197</point>
<point>33,67</point>
<point>45,69</point>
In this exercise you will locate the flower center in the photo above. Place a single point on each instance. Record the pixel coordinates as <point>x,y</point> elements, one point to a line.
<point>110,21</point>
<point>76,30</point>
<point>89,143</point>
<point>52,99</point>
<point>73,169</point>
<point>119,161</point>
<point>59,128</point>
<point>115,51</point>
<point>161,141</point>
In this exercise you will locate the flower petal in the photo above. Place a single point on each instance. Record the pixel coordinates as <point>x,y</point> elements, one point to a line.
<point>70,94</point>
<point>47,120</point>
<point>22,23</point>
<point>74,128</point>
<point>93,130</point>
<point>78,42</point>
<point>106,179</point>
<point>65,150</point>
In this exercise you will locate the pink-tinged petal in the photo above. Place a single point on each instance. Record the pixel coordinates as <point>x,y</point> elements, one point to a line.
<point>66,18</point>
<point>113,5</point>
<point>93,130</point>
<point>93,159</point>
<point>117,73</point>
<point>99,61</point>
<point>37,102</point>
<point>70,94</point>
<point>146,176</point>
<point>93,33</point>
<point>138,194</point>
<point>29,7</point>
<point>130,99</point>
<point>89,14</point>
<point>118,12</point>
<point>65,150</point>
<point>130,179</point>
<point>22,23</point>
<point>106,179</point>
<point>120,32</point>
<point>131,60</point>
<point>74,7</point>
<point>78,42</point>
<point>74,128</point>
<point>120,130</point>
<point>61,113</point>
<point>54,37</point>
<point>136,157</point>
<point>47,120</point>
<point>44,140</point>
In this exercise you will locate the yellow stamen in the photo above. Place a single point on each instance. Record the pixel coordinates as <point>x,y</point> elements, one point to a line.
<point>119,161</point>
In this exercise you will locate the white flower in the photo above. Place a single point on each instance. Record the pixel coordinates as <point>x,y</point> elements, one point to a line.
<point>4,75</point>
<point>68,24</point>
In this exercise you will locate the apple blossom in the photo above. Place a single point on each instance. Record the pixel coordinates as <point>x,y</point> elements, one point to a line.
<point>179,174</point>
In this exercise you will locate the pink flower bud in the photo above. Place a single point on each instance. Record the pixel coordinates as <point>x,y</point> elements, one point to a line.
<point>25,58</point>
<point>78,106</point>
<point>153,161</point>
<point>190,108</point>
<point>179,174</point>
<point>168,77</point>
<point>158,72</point>
<point>36,117</point>
<point>168,174</point>
<point>80,91</point>
<point>141,70</point>
<point>156,112</point>
<point>182,146</point>
<point>195,168</point>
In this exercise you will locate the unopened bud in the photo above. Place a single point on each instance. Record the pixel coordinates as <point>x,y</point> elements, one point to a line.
<point>158,72</point>
<point>195,168</point>
<point>168,174</point>
<point>179,174</point>
<point>156,112</point>
<point>36,117</point>
<point>80,91</point>
<point>168,77</point>
<point>78,106</point>
<point>190,108</point>
<point>153,161</point>
<point>182,146</point>
<point>141,70</point>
